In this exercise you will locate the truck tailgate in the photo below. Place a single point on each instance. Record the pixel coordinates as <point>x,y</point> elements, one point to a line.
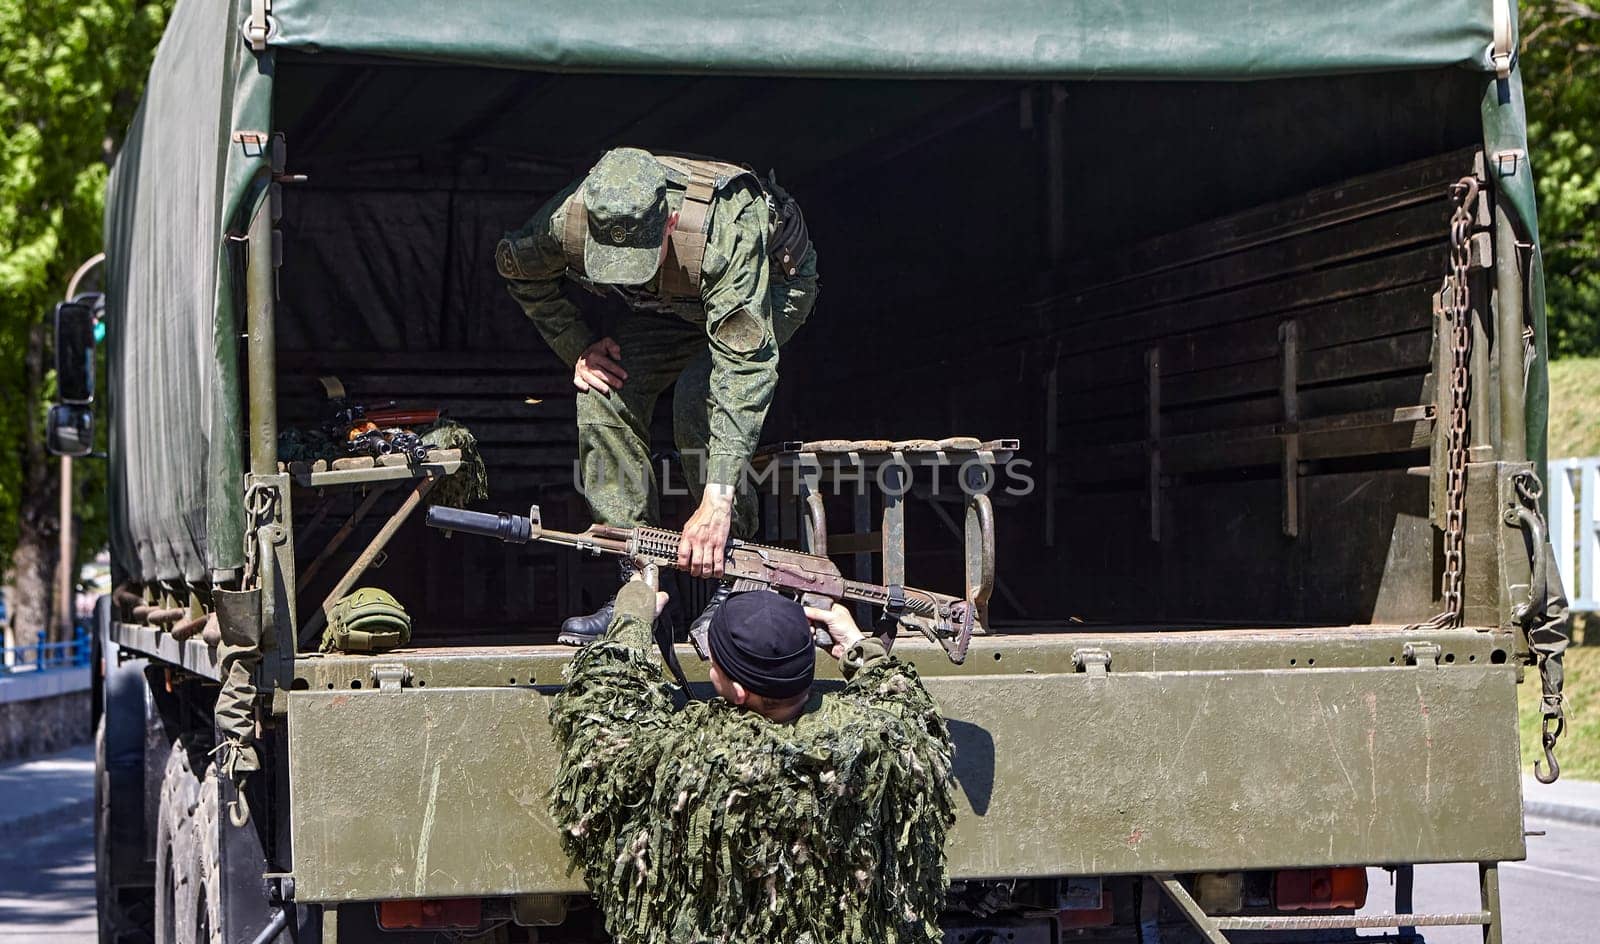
<point>1161,764</point>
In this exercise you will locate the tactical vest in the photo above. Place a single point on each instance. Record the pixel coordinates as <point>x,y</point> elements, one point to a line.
<point>681,270</point>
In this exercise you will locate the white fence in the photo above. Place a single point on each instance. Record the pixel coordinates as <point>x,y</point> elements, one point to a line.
<point>1575,528</point>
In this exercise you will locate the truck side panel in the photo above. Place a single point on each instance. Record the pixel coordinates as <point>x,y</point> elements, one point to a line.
<point>422,792</point>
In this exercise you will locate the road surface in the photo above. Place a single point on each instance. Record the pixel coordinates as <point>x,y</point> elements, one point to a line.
<point>1552,898</point>
<point>47,883</point>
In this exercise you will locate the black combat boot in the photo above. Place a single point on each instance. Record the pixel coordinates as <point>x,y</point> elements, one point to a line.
<point>582,630</point>
<point>702,623</point>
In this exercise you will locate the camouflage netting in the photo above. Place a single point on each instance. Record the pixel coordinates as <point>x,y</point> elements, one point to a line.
<point>711,823</point>
<point>310,444</point>
<point>470,483</point>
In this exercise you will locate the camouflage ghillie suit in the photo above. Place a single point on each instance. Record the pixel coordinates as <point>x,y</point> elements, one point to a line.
<point>710,823</point>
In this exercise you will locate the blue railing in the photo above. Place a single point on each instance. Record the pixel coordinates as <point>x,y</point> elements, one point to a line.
<point>72,653</point>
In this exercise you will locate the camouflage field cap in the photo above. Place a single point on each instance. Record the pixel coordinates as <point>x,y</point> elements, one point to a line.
<point>626,196</point>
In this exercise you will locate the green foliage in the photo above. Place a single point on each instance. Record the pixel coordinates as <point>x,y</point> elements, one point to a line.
<point>1574,420</point>
<point>70,75</point>
<point>1561,68</point>
<point>1579,749</point>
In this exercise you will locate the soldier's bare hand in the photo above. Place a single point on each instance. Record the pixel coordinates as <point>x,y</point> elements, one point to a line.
<point>599,368</point>
<point>705,536</point>
<point>839,624</point>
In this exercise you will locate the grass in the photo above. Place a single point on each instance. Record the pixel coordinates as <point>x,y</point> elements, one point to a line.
<point>1578,751</point>
<point>1574,431</point>
<point>1575,407</point>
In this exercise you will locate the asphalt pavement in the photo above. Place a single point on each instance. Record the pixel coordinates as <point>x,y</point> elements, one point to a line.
<point>1551,898</point>
<point>47,849</point>
<point>47,883</point>
<point>47,864</point>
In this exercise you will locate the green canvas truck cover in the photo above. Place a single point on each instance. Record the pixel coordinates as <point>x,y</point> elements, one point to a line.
<point>194,165</point>
<point>1224,39</point>
<point>185,176</point>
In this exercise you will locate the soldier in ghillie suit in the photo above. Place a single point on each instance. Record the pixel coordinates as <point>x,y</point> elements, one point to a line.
<point>718,272</point>
<point>769,814</point>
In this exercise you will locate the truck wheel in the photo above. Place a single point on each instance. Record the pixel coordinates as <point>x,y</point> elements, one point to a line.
<point>207,914</point>
<point>178,877</point>
<point>124,914</point>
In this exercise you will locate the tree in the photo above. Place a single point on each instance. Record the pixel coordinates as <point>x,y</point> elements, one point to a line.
<point>1561,69</point>
<point>69,80</point>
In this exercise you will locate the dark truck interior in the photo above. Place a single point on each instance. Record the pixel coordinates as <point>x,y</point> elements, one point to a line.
<point>1204,309</point>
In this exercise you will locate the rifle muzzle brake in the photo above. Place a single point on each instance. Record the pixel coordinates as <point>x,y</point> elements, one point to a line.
<point>513,529</point>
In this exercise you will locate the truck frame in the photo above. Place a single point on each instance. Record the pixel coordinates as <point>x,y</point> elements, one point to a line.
<point>1260,613</point>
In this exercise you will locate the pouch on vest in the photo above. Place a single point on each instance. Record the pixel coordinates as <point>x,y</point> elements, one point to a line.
<point>790,241</point>
<point>366,620</point>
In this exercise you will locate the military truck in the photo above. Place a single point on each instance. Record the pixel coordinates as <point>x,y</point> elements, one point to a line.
<point>1244,299</point>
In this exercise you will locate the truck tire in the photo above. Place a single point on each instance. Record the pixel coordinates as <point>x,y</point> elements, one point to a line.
<point>125,915</point>
<point>207,921</point>
<point>188,905</point>
<point>124,895</point>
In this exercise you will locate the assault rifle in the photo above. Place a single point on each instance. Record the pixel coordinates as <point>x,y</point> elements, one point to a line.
<point>815,581</point>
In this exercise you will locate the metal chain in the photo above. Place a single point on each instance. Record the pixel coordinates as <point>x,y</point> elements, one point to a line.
<point>1457,311</point>
<point>260,500</point>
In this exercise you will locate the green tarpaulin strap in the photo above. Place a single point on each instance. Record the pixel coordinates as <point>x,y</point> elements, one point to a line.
<point>1502,51</point>
<point>1544,617</point>
<point>260,25</point>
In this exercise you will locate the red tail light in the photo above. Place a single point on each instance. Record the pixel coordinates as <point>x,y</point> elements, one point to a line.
<point>1100,917</point>
<point>431,913</point>
<point>1319,889</point>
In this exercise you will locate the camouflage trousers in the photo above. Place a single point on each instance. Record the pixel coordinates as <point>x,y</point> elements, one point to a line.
<point>619,481</point>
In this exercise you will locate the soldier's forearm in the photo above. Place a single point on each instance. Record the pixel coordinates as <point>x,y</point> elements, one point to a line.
<point>722,469</point>
<point>562,327</point>
<point>866,651</point>
<point>888,683</point>
<point>742,393</point>
<point>568,342</point>
<point>559,321</point>
<point>634,616</point>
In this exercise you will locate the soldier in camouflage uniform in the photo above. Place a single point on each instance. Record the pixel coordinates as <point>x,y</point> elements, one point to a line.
<point>769,813</point>
<point>719,273</point>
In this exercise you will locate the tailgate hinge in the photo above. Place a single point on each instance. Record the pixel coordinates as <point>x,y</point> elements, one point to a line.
<point>1092,661</point>
<point>1422,654</point>
<point>390,676</point>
